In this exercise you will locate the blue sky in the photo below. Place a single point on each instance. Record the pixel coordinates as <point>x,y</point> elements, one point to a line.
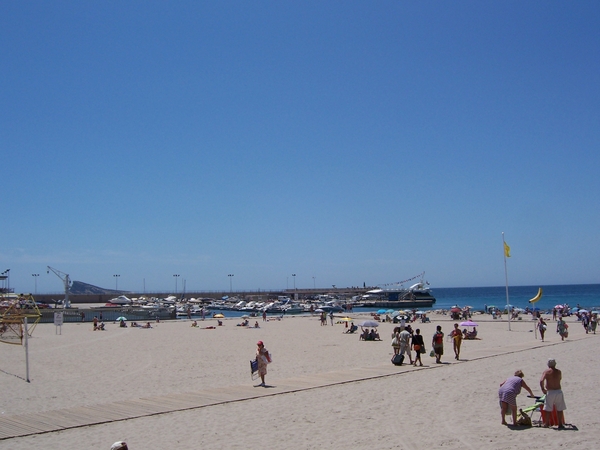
<point>352,142</point>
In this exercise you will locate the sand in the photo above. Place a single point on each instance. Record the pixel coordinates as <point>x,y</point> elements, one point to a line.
<point>452,405</point>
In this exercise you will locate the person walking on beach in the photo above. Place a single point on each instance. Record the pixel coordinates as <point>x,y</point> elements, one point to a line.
<point>418,346</point>
<point>507,394</point>
<point>438,344</point>
<point>593,323</point>
<point>585,321</point>
<point>561,328</point>
<point>457,337</point>
<point>404,338</point>
<point>262,358</point>
<point>542,327</point>
<point>550,384</point>
<point>331,317</point>
<point>396,340</point>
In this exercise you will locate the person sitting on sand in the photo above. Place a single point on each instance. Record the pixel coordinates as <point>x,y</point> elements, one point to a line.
<point>147,325</point>
<point>352,328</point>
<point>122,324</point>
<point>364,335</point>
<point>374,335</point>
<point>194,323</point>
<point>256,324</point>
<point>220,323</point>
<point>101,326</point>
<point>472,334</point>
<point>243,324</point>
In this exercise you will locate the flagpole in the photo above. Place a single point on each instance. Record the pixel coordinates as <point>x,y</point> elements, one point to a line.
<point>506,279</point>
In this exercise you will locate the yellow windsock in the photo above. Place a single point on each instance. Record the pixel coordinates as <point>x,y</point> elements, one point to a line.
<point>537,297</point>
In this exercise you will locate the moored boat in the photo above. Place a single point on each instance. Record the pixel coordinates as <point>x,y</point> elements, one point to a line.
<point>397,296</point>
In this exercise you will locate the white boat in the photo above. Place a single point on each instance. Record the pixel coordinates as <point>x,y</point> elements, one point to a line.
<point>121,300</point>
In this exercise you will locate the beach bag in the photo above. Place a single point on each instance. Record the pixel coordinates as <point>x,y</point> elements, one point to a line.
<point>397,360</point>
<point>432,353</point>
<point>267,358</point>
<point>422,350</point>
<point>395,342</point>
<point>524,420</point>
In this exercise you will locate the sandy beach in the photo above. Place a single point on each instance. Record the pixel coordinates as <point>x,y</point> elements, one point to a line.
<point>450,405</point>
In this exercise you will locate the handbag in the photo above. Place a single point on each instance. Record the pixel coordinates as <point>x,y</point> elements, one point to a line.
<point>422,349</point>
<point>432,353</point>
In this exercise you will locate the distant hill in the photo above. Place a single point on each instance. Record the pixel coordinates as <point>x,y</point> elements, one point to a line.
<point>79,287</point>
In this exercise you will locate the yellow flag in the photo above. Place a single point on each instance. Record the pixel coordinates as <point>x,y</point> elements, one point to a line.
<point>506,250</point>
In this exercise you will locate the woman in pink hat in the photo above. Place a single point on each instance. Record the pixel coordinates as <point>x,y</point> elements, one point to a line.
<point>262,358</point>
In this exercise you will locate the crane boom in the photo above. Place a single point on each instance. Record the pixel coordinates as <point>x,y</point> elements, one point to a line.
<point>66,281</point>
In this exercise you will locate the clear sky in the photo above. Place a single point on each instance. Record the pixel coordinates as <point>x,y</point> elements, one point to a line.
<point>346,142</point>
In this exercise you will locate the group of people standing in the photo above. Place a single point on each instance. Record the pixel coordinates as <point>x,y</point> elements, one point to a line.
<point>404,340</point>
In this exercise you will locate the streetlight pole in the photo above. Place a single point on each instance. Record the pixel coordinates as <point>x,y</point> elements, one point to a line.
<point>314,282</point>
<point>6,274</point>
<point>35,275</point>
<point>116,282</point>
<point>230,283</point>
<point>176,276</point>
<point>294,275</point>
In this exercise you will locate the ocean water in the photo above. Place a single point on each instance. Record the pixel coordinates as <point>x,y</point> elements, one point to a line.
<point>585,295</point>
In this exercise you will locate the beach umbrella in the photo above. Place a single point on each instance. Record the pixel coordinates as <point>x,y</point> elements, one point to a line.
<point>318,310</point>
<point>559,307</point>
<point>469,323</point>
<point>381,311</point>
<point>245,316</point>
<point>583,311</point>
<point>455,309</point>
<point>219,316</point>
<point>121,318</point>
<point>369,324</point>
<point>595,312</point>
<point>346,319</point>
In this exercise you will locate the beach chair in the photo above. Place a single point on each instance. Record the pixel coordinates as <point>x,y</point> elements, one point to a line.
<point>530,410</point>
<point>254,369</point>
